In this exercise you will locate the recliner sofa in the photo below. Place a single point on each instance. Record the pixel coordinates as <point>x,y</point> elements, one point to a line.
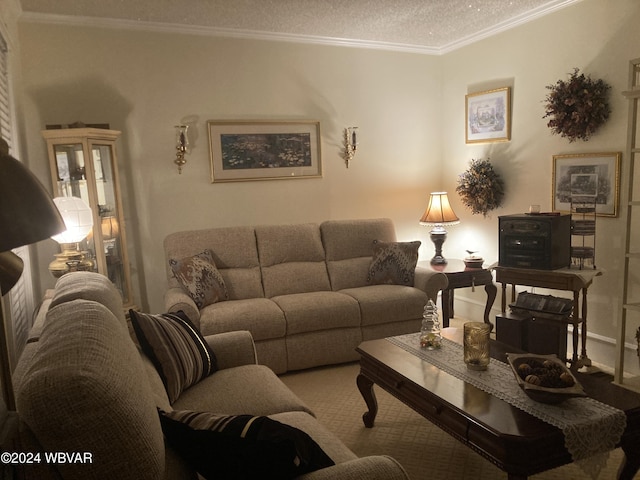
<point>303,291</point>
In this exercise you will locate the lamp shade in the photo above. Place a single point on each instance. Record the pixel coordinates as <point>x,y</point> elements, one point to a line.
<point>78,219</point>
<point>27,213</point>
<point>439,211</point>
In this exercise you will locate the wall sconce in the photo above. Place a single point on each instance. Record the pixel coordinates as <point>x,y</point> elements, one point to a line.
<point>350,144</point>
<point>438,214</point>
<point>182,145</point>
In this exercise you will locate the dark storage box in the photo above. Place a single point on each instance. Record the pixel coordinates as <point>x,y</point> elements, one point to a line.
<point>536,324</point>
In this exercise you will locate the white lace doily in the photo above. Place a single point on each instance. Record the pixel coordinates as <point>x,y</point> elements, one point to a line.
<point>591,428</point>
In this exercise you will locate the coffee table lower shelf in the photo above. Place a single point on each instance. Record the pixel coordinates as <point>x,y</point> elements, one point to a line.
<point>511,439</point>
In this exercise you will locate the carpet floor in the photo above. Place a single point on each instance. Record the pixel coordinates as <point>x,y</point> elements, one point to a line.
<point>424,450</point>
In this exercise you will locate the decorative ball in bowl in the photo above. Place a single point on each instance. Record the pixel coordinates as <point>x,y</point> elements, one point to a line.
<point>544,378</point>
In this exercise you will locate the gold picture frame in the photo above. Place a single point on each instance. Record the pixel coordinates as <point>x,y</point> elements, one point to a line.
<point>596,174</point>
<point>488,116</point>
<point>264,150</point>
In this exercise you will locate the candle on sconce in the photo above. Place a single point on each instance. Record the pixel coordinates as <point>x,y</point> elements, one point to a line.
<point>354,143</point>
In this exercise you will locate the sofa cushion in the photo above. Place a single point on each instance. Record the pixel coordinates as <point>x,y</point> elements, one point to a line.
<point>348,244</point>
<point>388,303</point>
<point>292,259</point>
<point>234,253</point>
<point>85,390</point>
<point>248,389</point>
<point>179,352</point>
<point>200,278</point>
<point>241,446</point>
<point>89,286</point>
<point>310,312</point>
<point>393,263</point>
<point>261,316</point>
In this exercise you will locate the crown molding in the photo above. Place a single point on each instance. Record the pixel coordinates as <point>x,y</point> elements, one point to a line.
<point>72,20</point>
<point>508,25</point>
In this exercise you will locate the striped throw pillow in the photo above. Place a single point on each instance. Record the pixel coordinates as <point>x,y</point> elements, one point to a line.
<point>241,446</point>
<point>177,349</point>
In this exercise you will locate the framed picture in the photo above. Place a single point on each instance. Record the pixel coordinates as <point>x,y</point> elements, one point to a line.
<point>587,174</point>
<point>263,150</point>
<point>488,116</point>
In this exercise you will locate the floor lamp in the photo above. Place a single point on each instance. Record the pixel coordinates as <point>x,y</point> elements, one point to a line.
<point>27,215</point>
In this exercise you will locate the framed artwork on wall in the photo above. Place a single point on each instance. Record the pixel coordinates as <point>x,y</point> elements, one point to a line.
<point>264,150</point>
<point>587,174</point>
<point>488,116</point>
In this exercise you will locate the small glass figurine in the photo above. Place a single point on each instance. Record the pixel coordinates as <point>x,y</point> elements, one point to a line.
<point>430,337</point>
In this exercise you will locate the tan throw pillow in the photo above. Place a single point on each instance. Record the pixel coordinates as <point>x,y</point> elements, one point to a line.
<point>393,263</point>
<point>200,278</point>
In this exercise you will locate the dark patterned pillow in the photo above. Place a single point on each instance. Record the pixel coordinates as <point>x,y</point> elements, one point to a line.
<point>201,279</point>
<point>178,351</point>
<point>241,446</point>
<point>393,263</point>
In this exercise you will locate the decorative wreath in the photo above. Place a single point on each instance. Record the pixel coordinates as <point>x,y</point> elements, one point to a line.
<point>480,187</point>
<point>577,107</point>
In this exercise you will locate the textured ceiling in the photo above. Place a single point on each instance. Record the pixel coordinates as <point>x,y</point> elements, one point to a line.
<point>428,25</point>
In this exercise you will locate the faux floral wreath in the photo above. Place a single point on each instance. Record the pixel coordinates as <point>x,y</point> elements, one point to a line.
<point>577,107</point>
<point>480,187</point>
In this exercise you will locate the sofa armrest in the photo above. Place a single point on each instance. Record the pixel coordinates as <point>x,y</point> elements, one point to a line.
<point>377,467</point>
<point>176,299</point>
<point>430,282</point>
<point>233,349</point>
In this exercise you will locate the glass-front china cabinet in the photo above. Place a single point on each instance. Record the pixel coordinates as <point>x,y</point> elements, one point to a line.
<point>84,164</point>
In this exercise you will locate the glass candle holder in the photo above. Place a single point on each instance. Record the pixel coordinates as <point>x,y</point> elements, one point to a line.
<point>476,345</point>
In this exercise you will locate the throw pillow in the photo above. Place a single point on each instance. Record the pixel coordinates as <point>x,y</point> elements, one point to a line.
<point>200,278</point>
<point>241,446</point>
<point>177,349</point>
<point>393,263</point>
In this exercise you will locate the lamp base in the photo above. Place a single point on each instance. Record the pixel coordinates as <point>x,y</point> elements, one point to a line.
<point>438,235</point>
<point>70,260</point>
<point>438,260</point>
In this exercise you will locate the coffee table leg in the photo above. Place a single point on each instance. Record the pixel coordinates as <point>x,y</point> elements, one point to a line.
<point>365,386</point>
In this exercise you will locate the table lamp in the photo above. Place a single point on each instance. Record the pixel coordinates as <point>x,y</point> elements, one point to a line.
<point>27,215</point>
<point>78,219</point>
<point>438,214</point>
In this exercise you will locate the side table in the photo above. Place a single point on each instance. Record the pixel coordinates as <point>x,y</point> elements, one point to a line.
<point>568,279</point>
<point>461,276</point>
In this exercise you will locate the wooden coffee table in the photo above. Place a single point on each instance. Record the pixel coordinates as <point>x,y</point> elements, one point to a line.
<point>515,441</point>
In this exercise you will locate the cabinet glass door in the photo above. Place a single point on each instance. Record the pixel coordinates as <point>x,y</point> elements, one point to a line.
<point>110,238</point>
<point>72,182</point>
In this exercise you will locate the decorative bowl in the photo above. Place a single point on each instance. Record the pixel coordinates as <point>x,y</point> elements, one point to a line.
<point>473,262</point>
<point>544,378</point>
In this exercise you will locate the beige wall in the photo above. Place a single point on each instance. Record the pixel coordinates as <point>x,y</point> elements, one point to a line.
<point>409,107</point>
<point>143,83</point>
<point>599,38</point>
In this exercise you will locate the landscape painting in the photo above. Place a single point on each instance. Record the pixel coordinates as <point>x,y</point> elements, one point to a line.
<point>264,150</point>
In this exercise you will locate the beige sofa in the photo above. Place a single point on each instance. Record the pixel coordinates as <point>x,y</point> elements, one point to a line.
<point>301,290</point>
<point>83,386</point>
